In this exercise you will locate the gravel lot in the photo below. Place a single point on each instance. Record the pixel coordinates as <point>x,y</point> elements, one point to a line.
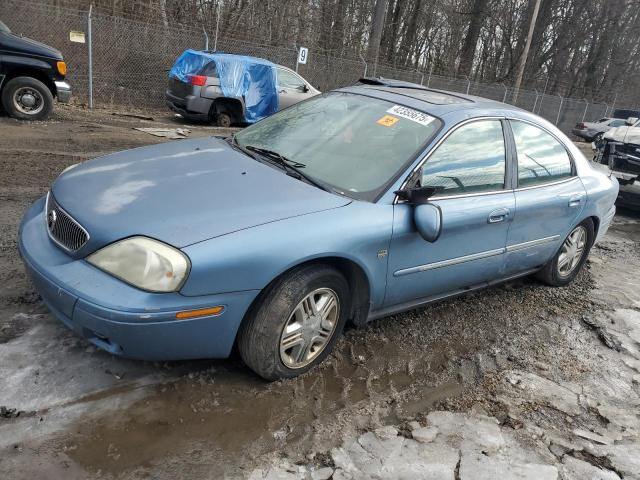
<point>517,381</point>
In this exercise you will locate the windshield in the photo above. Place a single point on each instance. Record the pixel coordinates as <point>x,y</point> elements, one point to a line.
<point>4,28</point>
<point>355,144</point>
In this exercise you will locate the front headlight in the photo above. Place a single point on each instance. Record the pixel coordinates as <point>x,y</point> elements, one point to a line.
<point>144,263</point>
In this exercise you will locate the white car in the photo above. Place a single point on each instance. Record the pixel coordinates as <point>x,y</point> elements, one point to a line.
<point>590,131</point>
<point>627,133</point>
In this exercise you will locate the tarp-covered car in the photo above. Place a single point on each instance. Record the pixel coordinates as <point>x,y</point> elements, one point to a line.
<point>226,89</point>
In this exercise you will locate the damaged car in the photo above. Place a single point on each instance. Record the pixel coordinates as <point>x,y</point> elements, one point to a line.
<point>619,149</point>
<point>351,206</point>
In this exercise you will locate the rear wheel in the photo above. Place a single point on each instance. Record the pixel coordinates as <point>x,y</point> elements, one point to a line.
<point>223,119</point>
<point>568,261</point>
<point>26,98</point>
<point>296,323</point>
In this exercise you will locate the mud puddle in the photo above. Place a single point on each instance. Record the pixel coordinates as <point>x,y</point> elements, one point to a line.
<point>224,412</point>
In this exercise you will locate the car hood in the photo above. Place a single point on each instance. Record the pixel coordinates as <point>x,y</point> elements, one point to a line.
<point>31,47</point>
<point>182,193</point>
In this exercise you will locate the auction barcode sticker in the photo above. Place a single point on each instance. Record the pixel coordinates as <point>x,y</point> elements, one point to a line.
<point>411,114</point>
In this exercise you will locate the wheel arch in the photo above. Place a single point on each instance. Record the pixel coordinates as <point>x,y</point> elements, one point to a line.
<point>26,71</point>
<point>354,273</point>
<point>230,105</point>
<point>596,225</point>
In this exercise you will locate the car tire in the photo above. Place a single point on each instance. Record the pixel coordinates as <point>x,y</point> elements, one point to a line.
<point>279,338</point>
<point>223,119</point>
<point>555,272</point>
<point>18,95</point>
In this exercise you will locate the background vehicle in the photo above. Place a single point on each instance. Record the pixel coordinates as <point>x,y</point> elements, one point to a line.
<point>354,205</point>
<point>619,149</point>
<point>590,131</point>
<point>198,95</point>
<point>31,75</point>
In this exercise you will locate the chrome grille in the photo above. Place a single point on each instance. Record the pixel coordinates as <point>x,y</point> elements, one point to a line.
<point>63,229</point>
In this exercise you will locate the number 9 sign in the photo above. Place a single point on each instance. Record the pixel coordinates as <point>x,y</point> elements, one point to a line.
<point>302,55</point>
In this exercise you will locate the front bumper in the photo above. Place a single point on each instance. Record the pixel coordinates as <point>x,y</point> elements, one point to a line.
<point>122,319</point>
<point>63,92</point>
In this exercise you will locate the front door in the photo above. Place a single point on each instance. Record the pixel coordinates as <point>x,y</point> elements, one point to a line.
<point>291,88</point>
<point>471,172</point>
<point>549,198</point>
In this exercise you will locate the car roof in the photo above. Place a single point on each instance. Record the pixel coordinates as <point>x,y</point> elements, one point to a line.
<point>437,102</point>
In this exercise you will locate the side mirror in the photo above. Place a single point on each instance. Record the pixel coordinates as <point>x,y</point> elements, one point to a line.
<point>428,220</point>
<point>417,196</point>
<point>304,89</point>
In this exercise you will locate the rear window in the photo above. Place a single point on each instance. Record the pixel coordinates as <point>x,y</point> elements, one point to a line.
<point>210,70</point>
<point>4,28</point>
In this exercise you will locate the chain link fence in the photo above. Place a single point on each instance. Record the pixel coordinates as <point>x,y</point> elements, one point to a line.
<point>131,59</point>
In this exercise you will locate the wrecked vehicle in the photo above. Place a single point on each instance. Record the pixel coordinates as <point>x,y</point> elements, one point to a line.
<point>225,89</point>
<point>619,149</point>
<point>351,206</point>
<point>31,75</point>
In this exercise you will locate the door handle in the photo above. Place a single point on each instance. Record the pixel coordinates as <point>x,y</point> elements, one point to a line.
<point>499,215</point>
<point>575,201</point>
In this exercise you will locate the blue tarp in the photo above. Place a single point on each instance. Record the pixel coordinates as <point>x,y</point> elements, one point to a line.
<point>252,78</point>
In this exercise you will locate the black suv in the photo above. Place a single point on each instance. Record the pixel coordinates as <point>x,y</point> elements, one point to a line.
<point>31,74</point>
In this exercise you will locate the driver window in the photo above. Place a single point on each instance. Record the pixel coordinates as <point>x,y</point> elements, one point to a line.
<point>287,79</point>
<point>471,159</point>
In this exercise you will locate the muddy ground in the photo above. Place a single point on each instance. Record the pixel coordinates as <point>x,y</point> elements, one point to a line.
<point>521,380</point>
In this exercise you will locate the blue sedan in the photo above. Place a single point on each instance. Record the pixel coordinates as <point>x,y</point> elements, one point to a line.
<point>351,206</point>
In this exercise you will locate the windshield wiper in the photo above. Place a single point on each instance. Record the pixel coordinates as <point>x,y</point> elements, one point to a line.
<point>276,156</point>
<point>291,167</point>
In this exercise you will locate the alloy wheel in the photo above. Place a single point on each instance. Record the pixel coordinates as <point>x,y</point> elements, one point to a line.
<point>309,328</point>
<point>572,251</point>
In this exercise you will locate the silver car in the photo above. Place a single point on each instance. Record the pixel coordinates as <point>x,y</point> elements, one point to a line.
<point>202,98</point>
<point>591,131</point>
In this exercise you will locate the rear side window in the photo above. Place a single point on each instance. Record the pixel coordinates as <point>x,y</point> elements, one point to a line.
<point>287,79</point>
<point>471,159</point>
<point>541,158</point>
<point>209,70</point>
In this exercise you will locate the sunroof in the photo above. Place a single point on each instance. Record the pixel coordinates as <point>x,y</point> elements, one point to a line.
<point>437,98</point>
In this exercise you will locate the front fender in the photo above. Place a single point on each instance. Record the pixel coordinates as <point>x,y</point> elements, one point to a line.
<point>250,259</point>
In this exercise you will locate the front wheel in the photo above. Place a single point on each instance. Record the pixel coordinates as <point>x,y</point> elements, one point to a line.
<point>568,261</point>
<point>26,98</point>
<point>296,323</point>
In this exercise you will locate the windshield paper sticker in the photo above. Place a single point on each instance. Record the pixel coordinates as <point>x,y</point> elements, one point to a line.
<point>411,114</point>
<point>388,121</point>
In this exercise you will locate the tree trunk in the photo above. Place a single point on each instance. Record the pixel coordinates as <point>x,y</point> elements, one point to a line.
<point>467,54</point>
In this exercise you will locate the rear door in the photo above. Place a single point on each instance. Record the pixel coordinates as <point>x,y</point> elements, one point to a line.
<point>549,198</point>
<point>291,88</point>
<point>471,168</point>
